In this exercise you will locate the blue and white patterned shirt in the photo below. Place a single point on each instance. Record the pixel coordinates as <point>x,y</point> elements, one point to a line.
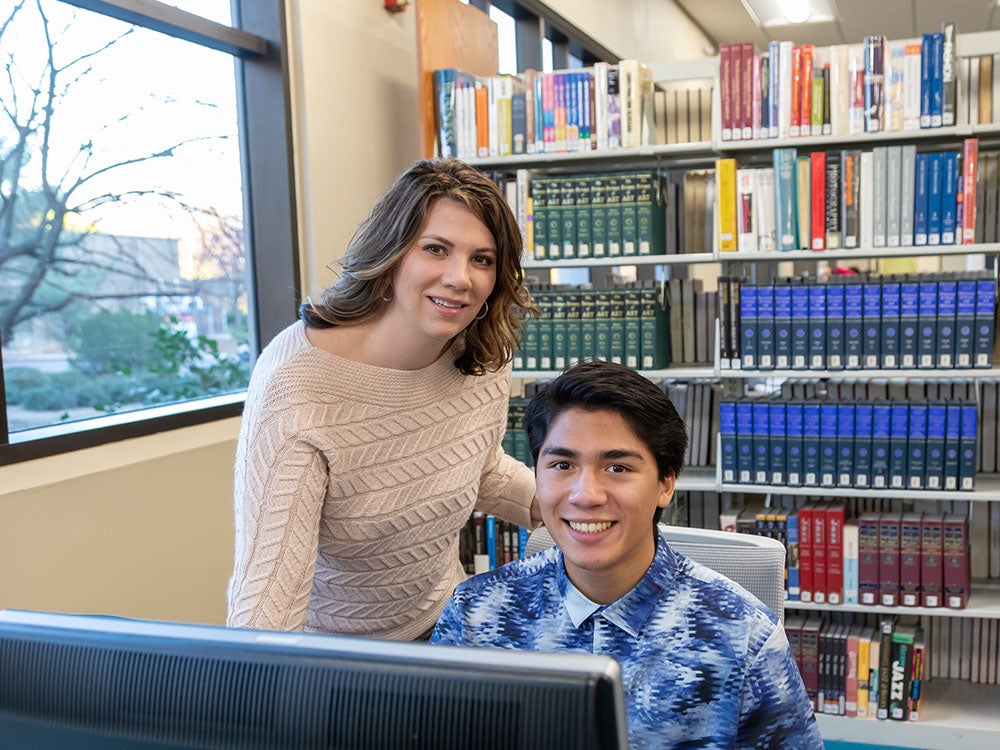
<point>704,663</point>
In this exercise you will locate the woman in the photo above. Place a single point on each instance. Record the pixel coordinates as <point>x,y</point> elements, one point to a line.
<point>372,426</point>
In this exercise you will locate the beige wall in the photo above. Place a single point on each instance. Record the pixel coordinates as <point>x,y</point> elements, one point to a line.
<point>143,527</point>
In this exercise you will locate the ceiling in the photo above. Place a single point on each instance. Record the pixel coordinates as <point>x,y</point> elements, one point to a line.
<point>728,21</point>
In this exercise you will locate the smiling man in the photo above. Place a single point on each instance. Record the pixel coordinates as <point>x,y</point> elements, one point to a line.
<point>704,662</point>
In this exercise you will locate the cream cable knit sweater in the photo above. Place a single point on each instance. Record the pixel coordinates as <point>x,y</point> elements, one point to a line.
<point>352,482</point>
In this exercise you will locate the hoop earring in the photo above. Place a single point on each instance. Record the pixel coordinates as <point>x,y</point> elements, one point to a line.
<point>387,295</point>
<point>486,311</point>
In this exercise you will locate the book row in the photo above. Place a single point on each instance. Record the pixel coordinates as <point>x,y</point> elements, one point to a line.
<point>899,445</point>
<point>890,196</point>
<point>601,107</point>
<point>858,671</point>
<point>628,325</point>
<point>597,216</point>
<point>486,543</point>
<point>801,90</point>
<point>854,321</point>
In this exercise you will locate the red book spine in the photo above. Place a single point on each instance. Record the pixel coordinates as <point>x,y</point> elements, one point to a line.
<point>909,559</point>
<point>810,659</point>
<point>796,92</point>
<point>805,92</point>
<point>868,558</point>
<point>888,548</point>
<point>836,517</point>
<point>819,555</point>
<point>756,133</point>
<point>851,679</point>
<point>970,154</point>
<point>746,88</point>
<point>817,200</point>
<point>805,553</point>
<point>931,541</point>
<point>736,90</point>
<point>726,90</point>
<point>956,561</point>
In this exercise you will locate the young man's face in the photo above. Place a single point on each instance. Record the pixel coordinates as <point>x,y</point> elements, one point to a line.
<point>598,488</point>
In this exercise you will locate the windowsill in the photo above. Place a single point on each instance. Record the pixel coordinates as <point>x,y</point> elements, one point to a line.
<point>65,466</point>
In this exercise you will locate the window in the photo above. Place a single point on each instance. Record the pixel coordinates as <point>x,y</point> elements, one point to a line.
<point>131,136</point>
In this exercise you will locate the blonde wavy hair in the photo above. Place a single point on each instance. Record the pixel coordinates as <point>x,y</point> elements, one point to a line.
<point>363,289</point>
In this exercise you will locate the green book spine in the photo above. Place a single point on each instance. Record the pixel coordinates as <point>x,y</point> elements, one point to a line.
<point>602,324</point>
<point>655,339</point>
<point>568,214</point>
<point>598,216</point>
<point>616,298</point>
<point>613,205</point>
<point>574,327</point>
<point>633,328</point>
<point>540,218</point>
<point>630,215</point>
<point>588,323</point>
<point>584,218</point>
<point>528,359</point>
<point>553,200</point>
<point>650,215</point>
<point>560,331</point>
<point>544,323</point>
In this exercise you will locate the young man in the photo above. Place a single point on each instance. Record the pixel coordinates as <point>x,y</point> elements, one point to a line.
<point>704,663</point>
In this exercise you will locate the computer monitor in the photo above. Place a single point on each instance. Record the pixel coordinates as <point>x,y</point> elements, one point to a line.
<point>85,681</point>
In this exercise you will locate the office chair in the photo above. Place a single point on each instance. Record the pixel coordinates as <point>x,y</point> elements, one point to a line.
<point>756,563</point>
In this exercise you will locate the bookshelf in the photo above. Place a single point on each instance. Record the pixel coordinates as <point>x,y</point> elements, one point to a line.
<point>951,709</point>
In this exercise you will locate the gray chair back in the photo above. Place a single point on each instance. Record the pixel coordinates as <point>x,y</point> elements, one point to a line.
<point>755,562</point>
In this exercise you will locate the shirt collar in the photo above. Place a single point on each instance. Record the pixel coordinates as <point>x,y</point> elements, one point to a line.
<point>631,611</point>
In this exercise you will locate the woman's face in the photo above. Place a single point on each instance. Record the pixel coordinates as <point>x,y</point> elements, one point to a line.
<point>445,276</point>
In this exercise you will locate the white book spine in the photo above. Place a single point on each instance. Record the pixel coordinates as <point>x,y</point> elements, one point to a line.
<point>893,200</point>
<point>907,191</point>
<point>866,199</point>
<point>491,88</point>
<point>962,98</point>
<point>895,85</point>
<point>746,211</point>
<point>764,202</point>
<point>879,187</point>
<point>911,87</point>
<point>840,89</point>
<point>601,104</point>
<point>785,90</point>
<point>974,91</point>
<point>856,105</point>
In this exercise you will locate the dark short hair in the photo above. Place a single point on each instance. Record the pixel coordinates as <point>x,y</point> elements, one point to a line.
<point>364,286</point>
<point>595,385</point>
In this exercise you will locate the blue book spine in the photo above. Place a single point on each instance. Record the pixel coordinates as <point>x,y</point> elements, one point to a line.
<point>835,326</point>
<point>949,206</point>
<point>899,426</point>
<point>909,311</point>
<point>965,323</point>
<point>828,445</point>
<point>792,527</point>
<point>927,324</point>
<point>774,51</point>
<point>800,326</point>
<point>952,445</point>
<point>491,541</point>
<point>727,438</point>
<point>890,324</point>
<point>539,116</point>
<point>776,441</point>
<point>921,189</point>
<point>744,441</point>
<point>522,541</point>
<point>761,445</point>
<point>817,326</point>
<point>881,429</point>
<point>748,326</point>
<point>937,79</point>
<point>810,444</point>
<point>935,184</point>
<point>853,325</point>
<point>850,580</point>
<point>871,311</point>
<point>845,445</point>
<point>793,444</point>
<point>947,309</point>
<point>985,306</point>
<point>785,195</point>
<point>862,444</point>
<point>937,417</point>
<point>916,447</point>
<point>765,327</point>
<point>782,326</point>
<point>967,452</point>
<point>926,50</point>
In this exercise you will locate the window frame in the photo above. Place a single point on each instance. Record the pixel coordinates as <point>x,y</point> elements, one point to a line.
<point>257,40</point>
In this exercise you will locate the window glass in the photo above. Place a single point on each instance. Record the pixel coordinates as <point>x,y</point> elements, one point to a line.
<point>122,257</point>
<point>506,40</point>
<point>547,55</point>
